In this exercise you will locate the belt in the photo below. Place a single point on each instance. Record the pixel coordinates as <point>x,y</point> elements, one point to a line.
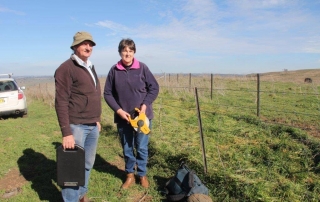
<point>90,124</point>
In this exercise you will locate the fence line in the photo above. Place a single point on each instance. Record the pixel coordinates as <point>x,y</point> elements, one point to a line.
<point>47,91</point>
<point>212,112</point>
<point>299,119</point>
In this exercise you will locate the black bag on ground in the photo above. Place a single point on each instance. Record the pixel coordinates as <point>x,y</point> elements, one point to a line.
<point>183,184</point>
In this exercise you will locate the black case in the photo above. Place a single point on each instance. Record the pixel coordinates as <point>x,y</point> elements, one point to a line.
<point>70,166</point>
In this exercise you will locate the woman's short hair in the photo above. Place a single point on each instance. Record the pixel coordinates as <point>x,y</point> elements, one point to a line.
<point>127,43</point>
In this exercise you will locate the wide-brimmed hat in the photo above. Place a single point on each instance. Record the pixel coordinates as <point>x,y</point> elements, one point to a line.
<point>80,37</point>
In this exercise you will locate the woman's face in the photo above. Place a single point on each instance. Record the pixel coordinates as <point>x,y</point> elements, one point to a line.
<point>127,56</point>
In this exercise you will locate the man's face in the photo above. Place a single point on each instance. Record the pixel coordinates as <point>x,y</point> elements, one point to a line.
<point>84,50</point>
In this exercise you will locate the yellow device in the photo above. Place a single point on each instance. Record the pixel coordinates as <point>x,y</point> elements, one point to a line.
<point>140,123</point>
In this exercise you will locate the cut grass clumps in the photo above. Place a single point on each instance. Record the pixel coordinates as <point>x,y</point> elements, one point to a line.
<point>276,163</point>
<point>248,159</point>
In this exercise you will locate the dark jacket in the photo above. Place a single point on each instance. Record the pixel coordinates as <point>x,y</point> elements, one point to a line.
<point>77,100</point>
<point>130,88</point>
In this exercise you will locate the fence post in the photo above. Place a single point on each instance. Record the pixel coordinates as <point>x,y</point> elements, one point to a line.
<point>258,95</point>
<point>201,133</point>
<point>211,86</point>
<point>169,78</point>
<point>189,81</point>
<point>177,78</point>
<point>40,88</point>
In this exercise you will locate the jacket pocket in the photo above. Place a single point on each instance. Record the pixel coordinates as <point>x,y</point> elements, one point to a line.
<point>78,103</point>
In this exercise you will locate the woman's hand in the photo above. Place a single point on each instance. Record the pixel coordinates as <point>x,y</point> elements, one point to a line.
<point>143,108</point>
<point>123,114</point>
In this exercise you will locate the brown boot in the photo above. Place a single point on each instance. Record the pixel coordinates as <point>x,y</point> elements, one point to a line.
<point>144,182</point>
<point>129,181</point>
<point>84,199</point>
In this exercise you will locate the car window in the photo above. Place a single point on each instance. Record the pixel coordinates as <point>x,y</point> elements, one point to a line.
<point>7,86</point>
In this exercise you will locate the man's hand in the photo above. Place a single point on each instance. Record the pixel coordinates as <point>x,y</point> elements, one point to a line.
<point>68,142</point>
<point>99,126</point>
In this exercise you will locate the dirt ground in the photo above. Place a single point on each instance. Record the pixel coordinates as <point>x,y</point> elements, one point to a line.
<point>13,182</point>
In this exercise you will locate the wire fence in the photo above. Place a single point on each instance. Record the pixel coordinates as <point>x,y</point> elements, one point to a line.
<point>290,103</point>
<point>272,100</point>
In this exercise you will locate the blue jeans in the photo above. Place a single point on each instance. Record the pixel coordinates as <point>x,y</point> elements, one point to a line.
<point>131,141</point>
<point>86,137</point>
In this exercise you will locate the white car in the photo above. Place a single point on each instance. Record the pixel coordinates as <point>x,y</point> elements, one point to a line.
<point>12,98</point>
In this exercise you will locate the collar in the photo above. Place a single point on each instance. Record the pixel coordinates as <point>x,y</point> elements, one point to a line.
<point>81,62</point>
<point>135,65</point>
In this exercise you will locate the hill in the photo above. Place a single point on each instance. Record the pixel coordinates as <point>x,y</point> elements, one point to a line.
<point>297,76</point>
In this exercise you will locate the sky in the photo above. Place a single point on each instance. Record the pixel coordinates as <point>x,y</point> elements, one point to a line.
<point>171,36</point>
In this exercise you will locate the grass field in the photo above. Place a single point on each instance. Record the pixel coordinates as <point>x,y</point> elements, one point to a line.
<point>249,158</point>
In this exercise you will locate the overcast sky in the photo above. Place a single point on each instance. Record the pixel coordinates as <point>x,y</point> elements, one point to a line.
<point>172,36</point>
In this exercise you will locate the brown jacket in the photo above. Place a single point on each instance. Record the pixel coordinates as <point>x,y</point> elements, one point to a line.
<point>77,100</point>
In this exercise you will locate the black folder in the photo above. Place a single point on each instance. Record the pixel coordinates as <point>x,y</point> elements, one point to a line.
<point>70,166</point>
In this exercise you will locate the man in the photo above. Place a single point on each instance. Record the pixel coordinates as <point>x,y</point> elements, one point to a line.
<point>78,107</point>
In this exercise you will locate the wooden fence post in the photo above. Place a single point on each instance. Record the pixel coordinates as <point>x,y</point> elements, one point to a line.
<point>40,88</point>
<point>211,86</point>
<point>258,95</point>
<point>189,81</point>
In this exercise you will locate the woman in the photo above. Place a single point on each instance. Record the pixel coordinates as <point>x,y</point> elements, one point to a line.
<point>130,85</point>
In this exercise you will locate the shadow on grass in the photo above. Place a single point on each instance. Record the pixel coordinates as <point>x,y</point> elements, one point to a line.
<point>108,129</point>
<point>14,116</point>
<point>169,165</point>
<point>102,165</point>
<point>41,171</point>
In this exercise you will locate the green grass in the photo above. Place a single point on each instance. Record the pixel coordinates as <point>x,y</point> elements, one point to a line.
<point>248,158</point>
